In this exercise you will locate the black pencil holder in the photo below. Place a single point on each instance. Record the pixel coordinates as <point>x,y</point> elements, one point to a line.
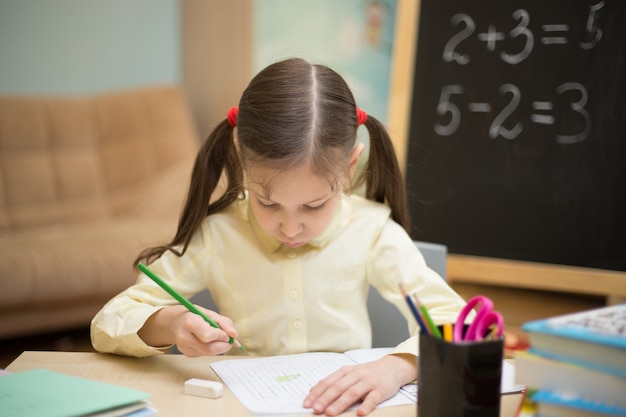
<point>459,379</point>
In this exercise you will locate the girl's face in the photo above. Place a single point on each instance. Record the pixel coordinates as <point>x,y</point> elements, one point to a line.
<point>299,208</point>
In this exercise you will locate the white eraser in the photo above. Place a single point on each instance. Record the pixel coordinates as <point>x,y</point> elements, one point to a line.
<point>203,388</point>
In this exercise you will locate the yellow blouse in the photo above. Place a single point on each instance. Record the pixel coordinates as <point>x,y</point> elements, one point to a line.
<point>283,300</point>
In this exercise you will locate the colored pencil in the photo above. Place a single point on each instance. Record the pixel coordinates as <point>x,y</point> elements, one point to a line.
<point>416,313</point>
<point>434,329</point>
<point>447,332</point>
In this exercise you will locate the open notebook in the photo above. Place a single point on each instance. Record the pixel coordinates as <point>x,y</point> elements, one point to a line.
<point>279,384</point>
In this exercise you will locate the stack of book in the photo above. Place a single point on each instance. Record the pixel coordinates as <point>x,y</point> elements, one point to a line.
<point>576,364</point>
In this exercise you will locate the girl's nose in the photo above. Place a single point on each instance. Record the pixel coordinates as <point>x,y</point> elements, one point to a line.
<point>291,229</point>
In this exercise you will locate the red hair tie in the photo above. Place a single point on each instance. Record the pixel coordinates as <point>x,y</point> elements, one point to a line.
<point>232,116</point>
<point>361,116</point>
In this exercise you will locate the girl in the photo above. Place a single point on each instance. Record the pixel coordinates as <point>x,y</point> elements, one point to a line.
<point>286,250</point>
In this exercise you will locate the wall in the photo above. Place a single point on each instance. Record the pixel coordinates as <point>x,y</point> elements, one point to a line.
<point>217,57</point>
<point>76,46</point>
<point>354,37</point>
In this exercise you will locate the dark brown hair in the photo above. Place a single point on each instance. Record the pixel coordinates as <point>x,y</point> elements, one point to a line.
<point>291,113</point>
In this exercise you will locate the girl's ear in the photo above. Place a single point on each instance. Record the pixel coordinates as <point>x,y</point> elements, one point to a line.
<point>357,151</point>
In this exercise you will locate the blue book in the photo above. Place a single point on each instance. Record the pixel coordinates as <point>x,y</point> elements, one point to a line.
<point>542,373</point>
<point>594,338</point>
<point>554,404</point>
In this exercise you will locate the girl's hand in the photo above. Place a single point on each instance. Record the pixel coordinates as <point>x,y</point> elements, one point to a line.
<point>371,382</point>
<point>193,336</point>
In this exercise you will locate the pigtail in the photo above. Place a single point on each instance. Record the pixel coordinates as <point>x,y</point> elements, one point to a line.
<point>382,175</point>
<point>216,157</point>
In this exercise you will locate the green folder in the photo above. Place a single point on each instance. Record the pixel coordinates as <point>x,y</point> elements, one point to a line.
<point>44,393</point>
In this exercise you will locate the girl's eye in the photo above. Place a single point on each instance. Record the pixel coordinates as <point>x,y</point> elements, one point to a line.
<point>313,208</point>
<point>269,206</point>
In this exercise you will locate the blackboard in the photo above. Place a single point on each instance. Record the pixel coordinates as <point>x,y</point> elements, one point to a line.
<point>517,137</point>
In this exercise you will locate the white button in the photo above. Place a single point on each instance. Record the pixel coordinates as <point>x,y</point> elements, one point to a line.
<point>293,294</point>
<point>291,255</point>
<point>297,324</point>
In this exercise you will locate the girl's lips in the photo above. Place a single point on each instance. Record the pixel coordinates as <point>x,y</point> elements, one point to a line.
<point>293,244</point>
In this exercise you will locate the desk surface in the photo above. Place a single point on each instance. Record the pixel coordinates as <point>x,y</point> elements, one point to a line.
<point>163,376</point>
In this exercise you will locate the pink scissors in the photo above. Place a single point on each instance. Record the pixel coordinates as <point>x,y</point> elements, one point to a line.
<point>486,317</point>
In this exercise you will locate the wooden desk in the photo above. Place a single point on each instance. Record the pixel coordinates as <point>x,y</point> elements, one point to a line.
<point>164,375</point>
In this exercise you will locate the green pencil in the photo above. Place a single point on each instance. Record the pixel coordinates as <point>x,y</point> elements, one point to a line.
<point>171,291</point>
